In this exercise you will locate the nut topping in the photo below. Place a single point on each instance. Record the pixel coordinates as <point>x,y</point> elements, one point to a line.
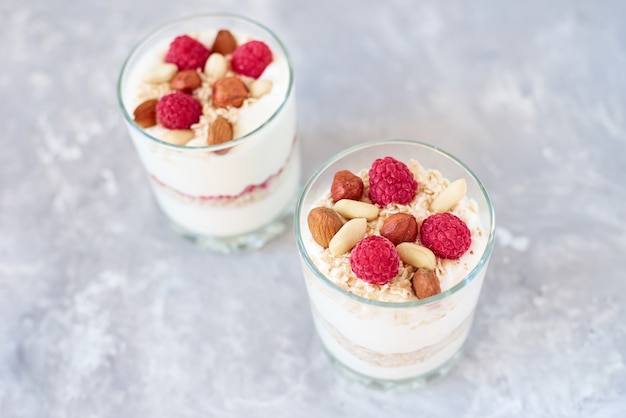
<point>346,185</point>
<point>323,224</point>
<point>216,66</point>
<point>348,236</point>
<point>426,283</point>
<point>449,197</point>
<point>178,136</point>
<point>220,131</point>
<point>229,92</point>
<point>356,209</point>
<point>224,43</point>
<point>417,255</point>
<point>160,73</point>
<point>145,114</point>
<point>400,227</point>
<point>260,88</point>
<point>186,81</point>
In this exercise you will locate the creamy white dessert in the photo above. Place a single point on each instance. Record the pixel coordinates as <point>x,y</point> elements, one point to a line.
<point>245,184</point>
<point>382,332</point>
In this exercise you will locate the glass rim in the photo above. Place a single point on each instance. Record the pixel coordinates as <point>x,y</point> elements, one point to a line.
<point>385,304</point>
<point>156,32</point>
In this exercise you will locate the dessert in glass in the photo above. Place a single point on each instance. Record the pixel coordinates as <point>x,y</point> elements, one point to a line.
<point>209,103</point>
<point>394,238</point>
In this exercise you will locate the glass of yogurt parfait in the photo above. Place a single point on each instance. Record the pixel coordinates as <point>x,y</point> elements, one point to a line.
<point>394,238</point>
<point>209,103</point>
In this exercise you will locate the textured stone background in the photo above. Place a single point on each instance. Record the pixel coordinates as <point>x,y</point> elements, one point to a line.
<point>104,312</point>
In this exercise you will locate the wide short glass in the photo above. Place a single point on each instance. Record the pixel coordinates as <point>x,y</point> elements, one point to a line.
<point>383,344</point>
<point>222,201</point>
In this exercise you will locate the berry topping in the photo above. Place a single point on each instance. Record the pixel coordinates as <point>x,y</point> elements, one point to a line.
<point>375,260</point>
<point>391,181</point>
<point>446,235</point>
<point>178,111</point>
<point>251,59</point>
<point>187,53</point>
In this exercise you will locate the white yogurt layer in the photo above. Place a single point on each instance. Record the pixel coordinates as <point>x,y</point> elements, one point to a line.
<point>392,342</point>
<point>232,193</point>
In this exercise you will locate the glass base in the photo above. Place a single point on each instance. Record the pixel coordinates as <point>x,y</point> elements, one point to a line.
<point>238,243</point>
<point>394,385</point>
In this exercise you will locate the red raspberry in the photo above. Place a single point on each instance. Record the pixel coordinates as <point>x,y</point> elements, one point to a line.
<point>178,111</point>
<point>446,235</point>
<point>375,260</point>
<point>251,59</point>
<point>187,53</point>
<point>391,181</point>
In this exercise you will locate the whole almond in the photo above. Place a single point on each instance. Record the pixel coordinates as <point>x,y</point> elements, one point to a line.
<point>216,66</point>
<point>229,92</point>
<point>449,197</point>
<point>186,81</point>
<point>144,115</point>
<point>178,136</point>
<point>220,131</point>
<point>348,236</point>
<point>346,185</point>
<point>160,73</point>
<point>400,227</point>
<point>351,209</point>
<point>426,283</point>
<point>416,255</point>
<point>259,88</point>
<point>323,224</point>
<point>224,43</point>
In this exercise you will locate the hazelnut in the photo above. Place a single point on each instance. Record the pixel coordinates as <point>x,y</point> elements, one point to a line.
<point>346,185</point>
<point>186,81</point>
<point>400,227</point>
<point>229,92</point>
